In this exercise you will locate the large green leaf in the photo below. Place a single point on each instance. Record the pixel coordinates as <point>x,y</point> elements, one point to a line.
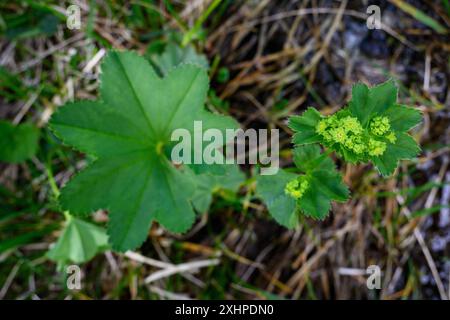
<point>128,132</point>
<point>17,143</point>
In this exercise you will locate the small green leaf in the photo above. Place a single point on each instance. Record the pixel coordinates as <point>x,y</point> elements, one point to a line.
<point>207,184</point>
<point>330,183</point>
<point>367,102</point>
<point>404,148</point>
<point>174,55</point>
<point>305,127</point>
<point>17,143</point>
<point>323,185</point>
<point>315,204</point>
<point>223,75</point>
<point>79,242</point>
<point>381,97</point>
<point>281,206</point>
<point>422,16</point>
<point>360,97</point>
<point>403,118</point>
<point>309,158</point>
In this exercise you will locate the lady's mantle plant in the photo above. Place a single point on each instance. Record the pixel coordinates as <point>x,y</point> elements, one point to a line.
<point>128,132</point>
<point>373,128</point>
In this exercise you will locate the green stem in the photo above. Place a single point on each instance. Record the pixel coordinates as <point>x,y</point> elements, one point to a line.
<point>52,182</point>
<point>67,215</point>
<point>198,24</point>
<point>55,189</point>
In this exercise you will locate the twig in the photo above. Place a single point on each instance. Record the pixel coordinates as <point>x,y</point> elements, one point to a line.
<point>168,295</point>
<point>184,267</point>
<point>24,109</point>
<point>160,264</point>
<point>151,262</point>
<point>9,280</point>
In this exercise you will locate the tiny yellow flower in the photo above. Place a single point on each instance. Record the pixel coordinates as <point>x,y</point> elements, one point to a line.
<point>379,125</point>
<point>376,148</point>
<point>339,134</point>
<point>355,144</point>
<point>322,126</point>
<point>297,187</point>
<point>351,124</point>
<point>391,137</point>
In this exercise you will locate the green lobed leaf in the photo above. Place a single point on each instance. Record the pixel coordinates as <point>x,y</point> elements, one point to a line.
<point>305,127</point>
<point>175,55</point>
<point>315,204</point>
<point>128,132</point>
<point>79,242</point>
<point>18,143</point>
<point>403,118</point>
<point>282,207</point>
<point>208,184</point>
<point>404,148</point>
<point>330,183</point>
<point>309,158</point>
<point>358,103</point>
<point>367,102</point>
<point>359,142</point>
<point>325,185</point>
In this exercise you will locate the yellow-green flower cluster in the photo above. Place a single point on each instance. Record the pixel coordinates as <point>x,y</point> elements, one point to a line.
<point>297,187</point>
<point>375,147</point>
<point>349,133</point>
<point>391,137</point>
<point>379,126</point>
<point>346,131</point>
